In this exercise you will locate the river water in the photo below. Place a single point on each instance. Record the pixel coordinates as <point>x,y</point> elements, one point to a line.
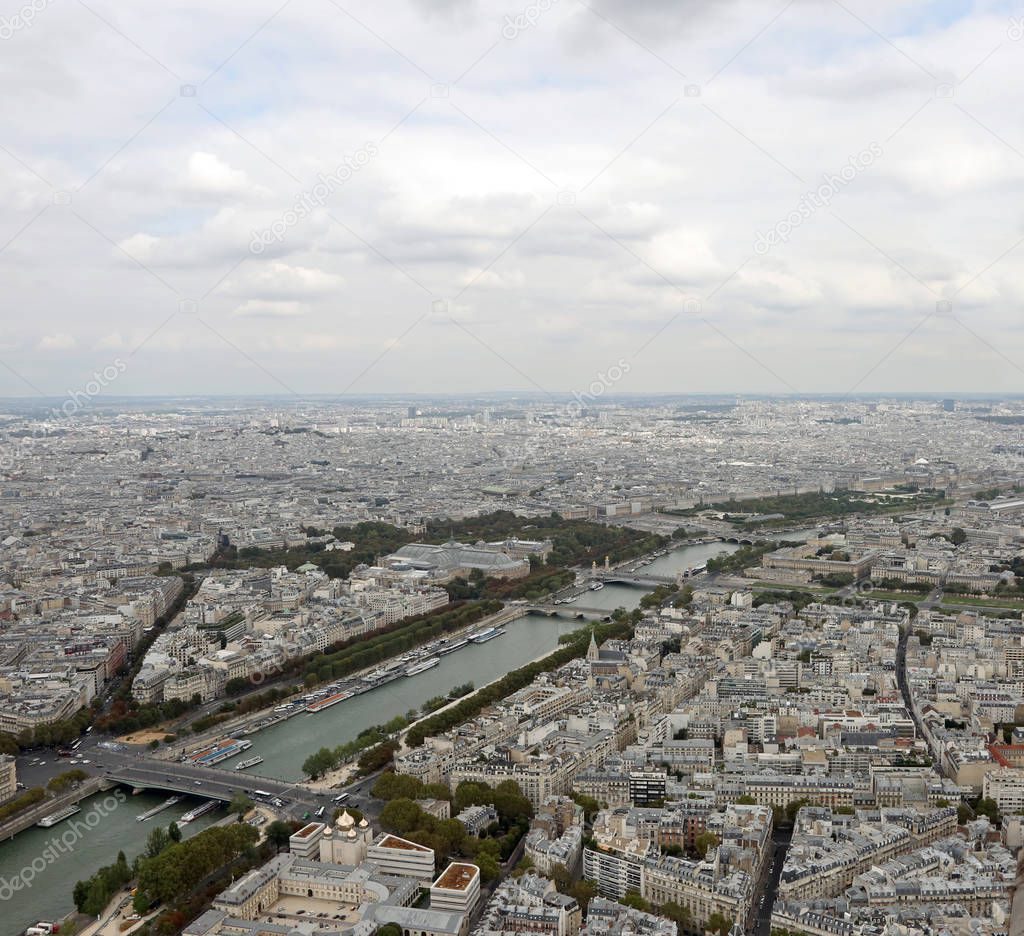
<point>92,838</point>
<point>285,746</point>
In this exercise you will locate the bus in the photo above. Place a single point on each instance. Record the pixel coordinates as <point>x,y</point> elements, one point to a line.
<point>261,794</point>
<point>340,798</point>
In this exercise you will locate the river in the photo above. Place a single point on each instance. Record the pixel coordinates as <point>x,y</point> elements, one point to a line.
<point>285,746</point>
<point>89,839</point>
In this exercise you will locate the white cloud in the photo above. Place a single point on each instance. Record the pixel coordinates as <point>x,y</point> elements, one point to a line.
<point>208,174</point>
<point>461,196</point>
<point>262,308</point>
<point>275,280</point>
<point>59,341</point>
<point>112,342</point>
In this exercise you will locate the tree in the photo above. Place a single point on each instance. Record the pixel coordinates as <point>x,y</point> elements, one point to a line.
<point>389,929</point>
<point>511,804</point>
<point>179,869</point>
<point>401,816</point>
<point>583,891</point>
<point>958,537</point>
<point>70,778</point>
<point>559,873</point>
<point>677,914</point>
<point>705,842</point>
<point>526,864</point>
<point>589,805</point>
<point>278,834</point>
<point>490,870</point>
<point>963,814</point>
<point>792,809</point>
<point>158,840</point>
<point>635,901</point>
<point>390,786</point>
<point>718,924</point>
<point>96,897</point>
<point>746,800</point>
<point>988,808</point>
<point>685,598</point>
<point>174,832</point>
<point>240,804</point>
<point>318,763</point>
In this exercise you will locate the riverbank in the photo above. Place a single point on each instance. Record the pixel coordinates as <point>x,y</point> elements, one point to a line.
<point>345,774</point>
<point>285,746</point>
<point>252,724</point>
<point>47,807</point>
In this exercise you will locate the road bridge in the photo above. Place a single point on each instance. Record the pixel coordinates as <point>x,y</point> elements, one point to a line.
<point>570,610</point>
<point>209,782</point>
<point>643,579</point>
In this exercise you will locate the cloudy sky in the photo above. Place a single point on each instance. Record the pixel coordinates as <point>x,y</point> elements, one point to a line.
<point>467,195</point>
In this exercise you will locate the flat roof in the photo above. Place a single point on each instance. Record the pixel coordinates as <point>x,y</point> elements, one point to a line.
<point>308,830</point>
<point>393,841</point>
<point>457,876</point>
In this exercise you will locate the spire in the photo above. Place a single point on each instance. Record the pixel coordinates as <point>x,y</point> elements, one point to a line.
<point>592,652</point>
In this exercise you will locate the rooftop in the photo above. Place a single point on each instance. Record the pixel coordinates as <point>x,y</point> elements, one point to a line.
<point>457,877</point>
<point>393,841</point>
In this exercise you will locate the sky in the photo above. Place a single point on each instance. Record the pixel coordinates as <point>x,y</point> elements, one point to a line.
<point>416,196</point>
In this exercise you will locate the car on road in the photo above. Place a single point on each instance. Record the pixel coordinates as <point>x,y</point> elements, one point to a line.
<point>199,782</point>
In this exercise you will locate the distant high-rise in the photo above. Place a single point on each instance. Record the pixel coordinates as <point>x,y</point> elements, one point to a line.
<point>948,406</point>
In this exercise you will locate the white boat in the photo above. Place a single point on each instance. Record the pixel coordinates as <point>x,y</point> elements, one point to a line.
<point>51,820</point>
<point>422,666</point>
<point>249,762</point>
<point>596,586</point>
<point>457,644</point>
<point>327,702</point>
<point>487,634</point>
<point>193,814</point>
<point>150,813</point>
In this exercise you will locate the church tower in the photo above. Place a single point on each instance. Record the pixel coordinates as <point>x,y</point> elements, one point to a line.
<point>346,843</point>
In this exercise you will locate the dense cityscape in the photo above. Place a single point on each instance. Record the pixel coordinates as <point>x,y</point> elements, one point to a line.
<point>438,668</point>
<point>548,468</point>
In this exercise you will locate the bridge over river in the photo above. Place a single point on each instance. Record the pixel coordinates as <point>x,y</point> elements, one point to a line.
<point>568,610</point>
<point>642,579</point>
<point>210,782</point>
